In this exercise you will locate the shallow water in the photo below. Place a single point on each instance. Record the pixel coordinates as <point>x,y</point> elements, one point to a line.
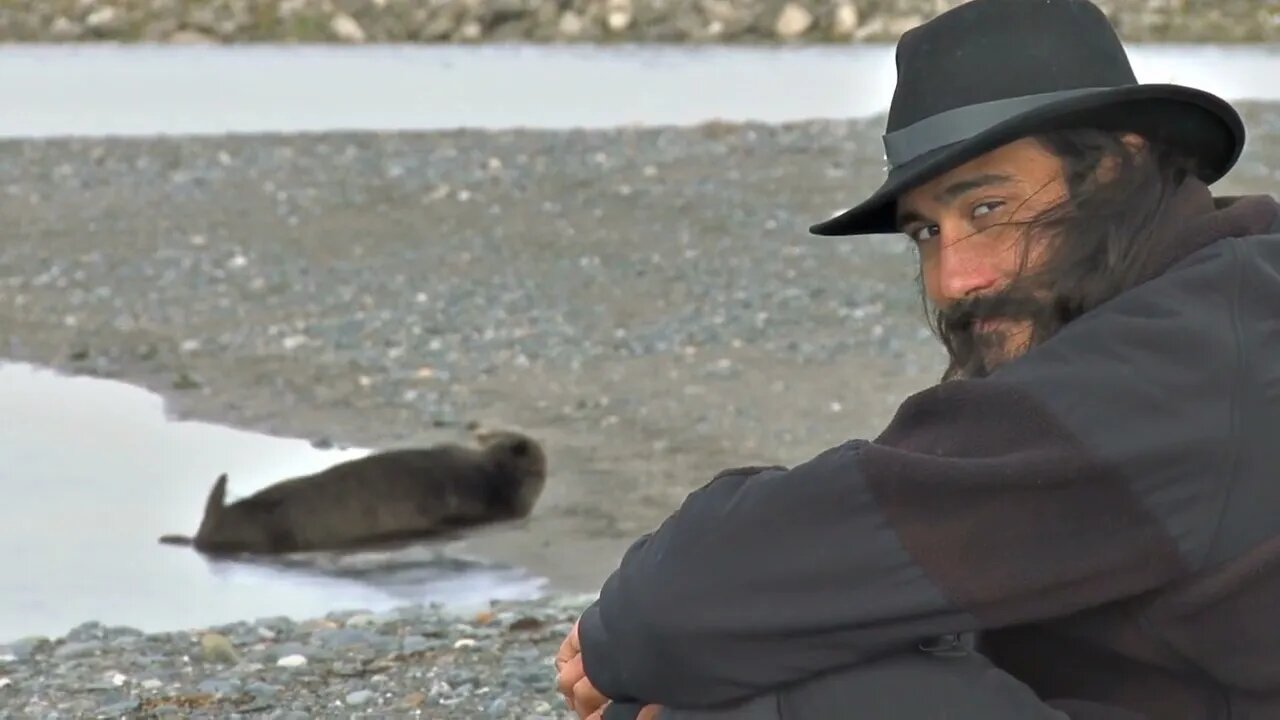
<point>92,472</point>
<point>143,90</point>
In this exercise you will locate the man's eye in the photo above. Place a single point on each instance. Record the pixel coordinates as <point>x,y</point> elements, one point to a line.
<point>923,233</point>
<point>987,207</point>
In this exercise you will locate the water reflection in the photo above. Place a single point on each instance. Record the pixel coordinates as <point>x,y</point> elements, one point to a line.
<point>143,90</point>
<point>92,472</point>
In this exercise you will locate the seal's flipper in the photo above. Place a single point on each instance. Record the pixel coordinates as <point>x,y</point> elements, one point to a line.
<point>217,498</point>
<point>213,507</point>
<point>175,540</point>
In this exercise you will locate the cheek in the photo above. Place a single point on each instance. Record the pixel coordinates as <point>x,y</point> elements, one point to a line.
<point>1002,250</point>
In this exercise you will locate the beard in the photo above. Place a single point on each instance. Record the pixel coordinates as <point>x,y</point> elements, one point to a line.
<point>983,333</point>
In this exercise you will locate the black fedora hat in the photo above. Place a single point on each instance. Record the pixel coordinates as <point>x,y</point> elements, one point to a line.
<point>989,72</point>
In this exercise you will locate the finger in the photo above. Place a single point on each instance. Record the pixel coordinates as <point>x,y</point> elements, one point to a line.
<point>649,712</point>
<point>568,647</point>
<point>569,676</point>
<point>586,698</point>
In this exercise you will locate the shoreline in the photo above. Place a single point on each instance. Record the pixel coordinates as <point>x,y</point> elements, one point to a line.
<point>578,21</point>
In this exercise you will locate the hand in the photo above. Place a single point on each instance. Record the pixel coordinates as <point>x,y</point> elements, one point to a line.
<point>571,680</point>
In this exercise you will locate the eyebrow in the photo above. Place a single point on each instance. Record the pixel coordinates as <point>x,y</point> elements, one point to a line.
<point>955,190</point>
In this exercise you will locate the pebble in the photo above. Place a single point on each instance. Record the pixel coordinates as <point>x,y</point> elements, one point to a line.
<point>359,697</point>
<point>219,687</point>
<point>262,690</point>
<point>119,709</point>
<point>363,620</point>
<point>73,650</point>
<point>23,648</point>
<point>217,648</point>
<point>415,644</point>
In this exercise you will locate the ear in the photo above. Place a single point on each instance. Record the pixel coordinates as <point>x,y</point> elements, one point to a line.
<point>1133,141</point>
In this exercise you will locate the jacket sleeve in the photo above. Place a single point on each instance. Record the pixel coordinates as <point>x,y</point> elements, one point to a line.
<point>1081,476</point>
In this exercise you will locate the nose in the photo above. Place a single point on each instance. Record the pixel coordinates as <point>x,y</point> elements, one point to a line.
<point>964,266</point>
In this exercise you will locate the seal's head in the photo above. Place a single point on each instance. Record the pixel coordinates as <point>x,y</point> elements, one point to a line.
<point>521,460</point>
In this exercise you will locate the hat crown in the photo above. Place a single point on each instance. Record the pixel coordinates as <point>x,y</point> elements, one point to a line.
<point>991,50</point>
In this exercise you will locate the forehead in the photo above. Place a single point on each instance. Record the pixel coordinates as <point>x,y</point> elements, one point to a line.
<point>1023,163</point>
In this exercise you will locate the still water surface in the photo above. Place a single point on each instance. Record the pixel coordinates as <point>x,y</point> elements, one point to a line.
<point>141,90</point>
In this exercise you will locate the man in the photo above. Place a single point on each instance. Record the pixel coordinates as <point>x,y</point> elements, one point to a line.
<point>1093,491</point>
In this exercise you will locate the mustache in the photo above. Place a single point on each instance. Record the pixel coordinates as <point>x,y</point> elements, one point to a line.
<point>960,317</point>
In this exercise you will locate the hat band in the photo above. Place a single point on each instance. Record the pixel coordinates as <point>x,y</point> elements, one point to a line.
<point>903,146</point>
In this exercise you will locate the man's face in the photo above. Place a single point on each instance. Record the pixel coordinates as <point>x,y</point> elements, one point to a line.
<point>967,225</point>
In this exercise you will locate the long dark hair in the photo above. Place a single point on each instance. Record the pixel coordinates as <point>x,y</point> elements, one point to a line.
<point>1098,242</point>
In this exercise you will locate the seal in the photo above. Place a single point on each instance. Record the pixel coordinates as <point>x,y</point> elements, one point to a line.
<point>392,495</point>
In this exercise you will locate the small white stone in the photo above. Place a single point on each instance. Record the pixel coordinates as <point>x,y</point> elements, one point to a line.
<point>793,21</point>
<point>571,24</point>
<point>464,643</point>
<point>63,29</point>
<point>292,661</point>
<point>844,21</point>
<point>346,28</point>
<point>363,620</point>
<point>101,18</point>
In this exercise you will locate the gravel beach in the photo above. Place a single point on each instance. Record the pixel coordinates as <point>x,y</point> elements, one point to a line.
<point>589,21</point>
<point>645,301</point>
<point>413,662</point>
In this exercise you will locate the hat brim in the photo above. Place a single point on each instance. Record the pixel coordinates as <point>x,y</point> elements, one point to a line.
<point>1197,122</point>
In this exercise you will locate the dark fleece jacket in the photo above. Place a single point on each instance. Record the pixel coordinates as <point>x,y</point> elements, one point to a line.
<point>1106,509</point>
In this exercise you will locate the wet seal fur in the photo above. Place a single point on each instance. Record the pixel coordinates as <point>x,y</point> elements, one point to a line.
<point>382,497</point>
